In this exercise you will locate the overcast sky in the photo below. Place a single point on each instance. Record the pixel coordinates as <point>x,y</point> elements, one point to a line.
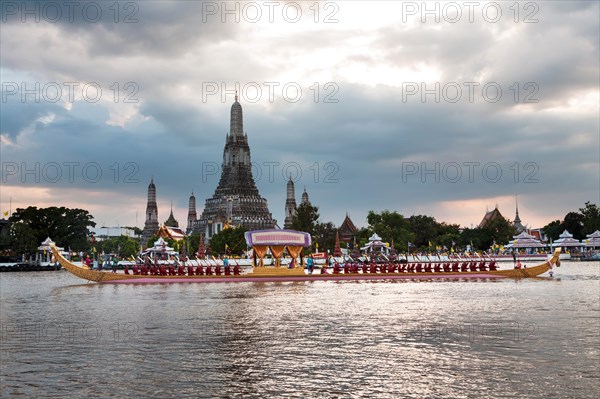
<point>445,111</point>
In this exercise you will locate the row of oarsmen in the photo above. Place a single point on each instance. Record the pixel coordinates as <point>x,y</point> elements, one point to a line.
<point>163,270</point>
<point>415,267</point>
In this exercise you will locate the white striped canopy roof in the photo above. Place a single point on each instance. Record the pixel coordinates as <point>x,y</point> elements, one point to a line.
<point>277,237</point>
<point>593,240</point>
<point>524,240</point>
<point>566,240</point>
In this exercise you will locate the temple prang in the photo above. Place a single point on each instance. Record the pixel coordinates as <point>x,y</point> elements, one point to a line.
<point>236,201</point>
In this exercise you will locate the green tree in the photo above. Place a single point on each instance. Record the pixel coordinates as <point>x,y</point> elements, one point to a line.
<point>591,218</point>
<point>324,234</point>
<point>362,236</point>
<point>424,229</point>
<point>233,238</point>
<point>574,223</point>
<point>23,239</point>
<point>473,237</point>
<point>67,227</point>
<point>193,240</point>
<point>390,226</point>
<point>306,218</point>
<point>448,234</point>
<point>150,242</point>
<point>553,229</point>
<point>497,230</point>
<point>123,246</point>
<point>581,223</point>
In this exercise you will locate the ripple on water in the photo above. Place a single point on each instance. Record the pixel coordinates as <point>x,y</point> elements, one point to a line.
<point>455,338</point>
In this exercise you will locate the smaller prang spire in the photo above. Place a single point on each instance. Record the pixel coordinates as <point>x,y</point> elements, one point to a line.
<point>151,220</point>
<point>236,127</point>
<point>171,221</point>
<point>192,216</point>
<point>290,204</point>
<point>290,189</point>
<point>517,223</point>
<point>305,199</point>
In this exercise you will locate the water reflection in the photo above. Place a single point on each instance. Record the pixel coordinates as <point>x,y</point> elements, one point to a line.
<point>439,338</point>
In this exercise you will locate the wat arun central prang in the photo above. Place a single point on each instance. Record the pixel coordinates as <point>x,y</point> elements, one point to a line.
<point>236,201</point>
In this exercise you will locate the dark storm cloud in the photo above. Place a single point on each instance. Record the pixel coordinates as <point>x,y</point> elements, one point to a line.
<point>126,28</point>
<point>370,135</point>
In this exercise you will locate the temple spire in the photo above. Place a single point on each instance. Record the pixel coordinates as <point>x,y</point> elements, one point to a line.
<point>171,221</point>
<point>236,200</point>
<point>151,222</point>
<point>517,223</point>
<point>192,215</point>
<point>305,199</point>
<point>237,119</point>
<point>290,204</point>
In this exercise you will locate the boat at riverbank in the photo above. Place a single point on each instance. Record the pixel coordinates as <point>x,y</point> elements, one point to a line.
<point>388,271</point>
<point>28,267</point>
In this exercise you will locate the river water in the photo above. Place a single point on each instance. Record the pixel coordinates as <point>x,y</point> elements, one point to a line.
<point>500,338</point>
